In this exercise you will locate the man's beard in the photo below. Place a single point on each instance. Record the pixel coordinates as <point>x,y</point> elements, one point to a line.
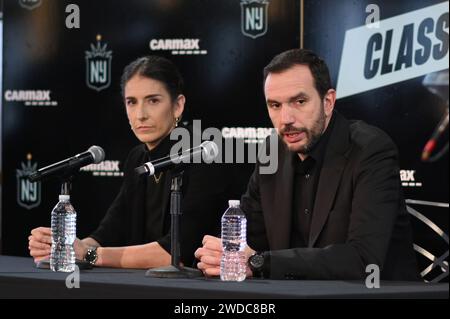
<point>312,135</point>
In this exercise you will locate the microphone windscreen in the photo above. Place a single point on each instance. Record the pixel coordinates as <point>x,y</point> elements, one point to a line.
<point>97,153</point>
<point>141,170</point>
<point>210,150</point>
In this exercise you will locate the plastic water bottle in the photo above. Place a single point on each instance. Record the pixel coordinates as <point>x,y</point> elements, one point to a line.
<point>233,265</point>
<point>64,219</point>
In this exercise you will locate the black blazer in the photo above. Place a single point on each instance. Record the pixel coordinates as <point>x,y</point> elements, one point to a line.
<point>359,216</point>
<point>204,200</point>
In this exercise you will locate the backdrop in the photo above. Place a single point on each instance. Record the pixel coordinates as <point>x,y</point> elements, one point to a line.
<point>61,93</point>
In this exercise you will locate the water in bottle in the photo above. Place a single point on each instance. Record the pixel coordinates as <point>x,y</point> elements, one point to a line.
<point>64,218</point>
<point>234,240</point>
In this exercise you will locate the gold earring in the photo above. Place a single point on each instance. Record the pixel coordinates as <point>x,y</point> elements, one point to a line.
<point>176,121</point>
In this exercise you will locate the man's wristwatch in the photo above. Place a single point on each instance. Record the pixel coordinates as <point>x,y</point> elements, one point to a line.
<point>256,262</point>
<point>91,255</point>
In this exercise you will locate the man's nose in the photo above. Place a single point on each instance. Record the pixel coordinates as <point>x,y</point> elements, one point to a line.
<point>286,115</point>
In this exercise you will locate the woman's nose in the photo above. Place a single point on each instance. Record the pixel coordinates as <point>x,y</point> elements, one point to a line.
<point>142,113</point>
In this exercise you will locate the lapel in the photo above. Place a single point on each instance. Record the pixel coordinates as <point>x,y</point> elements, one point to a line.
<point>278,219</point>
<point>333,166</point>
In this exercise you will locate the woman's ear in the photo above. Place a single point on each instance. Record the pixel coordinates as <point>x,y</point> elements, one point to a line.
<point>179,106</point>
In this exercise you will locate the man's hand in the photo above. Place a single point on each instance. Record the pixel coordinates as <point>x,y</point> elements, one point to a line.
<point>80,248</point>
<point>210,255</point>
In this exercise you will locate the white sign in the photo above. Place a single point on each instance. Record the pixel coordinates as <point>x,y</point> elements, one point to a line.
<point>403,47</point>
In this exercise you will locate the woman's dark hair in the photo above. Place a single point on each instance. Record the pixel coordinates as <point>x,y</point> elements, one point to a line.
<point>291,58</point>
<point>156,68</point>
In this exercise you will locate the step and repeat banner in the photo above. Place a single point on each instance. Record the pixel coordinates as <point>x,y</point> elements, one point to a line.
<point>61,90</point>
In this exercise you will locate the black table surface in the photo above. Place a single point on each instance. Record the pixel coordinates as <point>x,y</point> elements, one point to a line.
<point>19,278</point>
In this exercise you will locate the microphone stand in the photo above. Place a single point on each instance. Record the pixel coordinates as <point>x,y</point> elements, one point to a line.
<point>175,270</point>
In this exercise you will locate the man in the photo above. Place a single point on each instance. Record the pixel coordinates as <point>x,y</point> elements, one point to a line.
<point>335,204</point>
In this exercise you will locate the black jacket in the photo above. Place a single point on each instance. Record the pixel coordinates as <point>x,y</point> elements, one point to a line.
<point>204,200</point>
<point>359,216</point>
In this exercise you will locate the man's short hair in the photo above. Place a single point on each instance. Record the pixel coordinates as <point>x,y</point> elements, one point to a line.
<point>291,58</point>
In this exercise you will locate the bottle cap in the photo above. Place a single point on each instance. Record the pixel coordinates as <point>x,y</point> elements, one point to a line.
<point>234,203</point>
<point>64,197</point>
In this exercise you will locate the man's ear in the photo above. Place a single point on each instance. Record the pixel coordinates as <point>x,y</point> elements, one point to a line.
<point>329,101</point>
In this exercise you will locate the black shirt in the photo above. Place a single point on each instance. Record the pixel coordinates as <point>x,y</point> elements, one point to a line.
<point>306,180</point>
<point>156,222</point>
<point>140,214</point>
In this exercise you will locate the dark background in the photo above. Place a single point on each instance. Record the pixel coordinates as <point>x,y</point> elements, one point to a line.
<point>223,88</point>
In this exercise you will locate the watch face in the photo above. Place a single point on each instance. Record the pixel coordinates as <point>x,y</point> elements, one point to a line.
<point>257,261</point>
<point>91,256</point>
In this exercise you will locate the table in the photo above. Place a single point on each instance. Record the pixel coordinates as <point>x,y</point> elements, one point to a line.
<point>20,279</point>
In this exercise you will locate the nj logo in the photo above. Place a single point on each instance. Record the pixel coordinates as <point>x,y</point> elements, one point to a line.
<point>28,193</point>
<point>98,66</point>
<point>254,16</point>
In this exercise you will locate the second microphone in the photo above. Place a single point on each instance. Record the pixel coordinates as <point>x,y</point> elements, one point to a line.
<point>208,150</point>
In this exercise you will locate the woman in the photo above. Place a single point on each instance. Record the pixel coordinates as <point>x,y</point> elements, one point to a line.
<point>135,232</point>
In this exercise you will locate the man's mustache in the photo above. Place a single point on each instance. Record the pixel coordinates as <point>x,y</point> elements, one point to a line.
<point>291,129</point>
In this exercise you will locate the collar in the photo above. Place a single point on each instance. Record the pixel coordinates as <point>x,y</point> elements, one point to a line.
<point>161,150</point>
<point>318,150</point>
<point>317,153</point>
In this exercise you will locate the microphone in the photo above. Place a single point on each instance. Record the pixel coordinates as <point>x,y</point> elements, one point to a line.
<point>432,142</point>
<point>94,155</point>
<point>208,149</point>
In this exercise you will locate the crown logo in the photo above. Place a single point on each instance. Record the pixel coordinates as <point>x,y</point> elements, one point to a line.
<point>98,50</point>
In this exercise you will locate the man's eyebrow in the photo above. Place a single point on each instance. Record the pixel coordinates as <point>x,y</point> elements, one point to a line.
<point>292,99</point>
<point>300,95</point>
<point>270,101</point>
